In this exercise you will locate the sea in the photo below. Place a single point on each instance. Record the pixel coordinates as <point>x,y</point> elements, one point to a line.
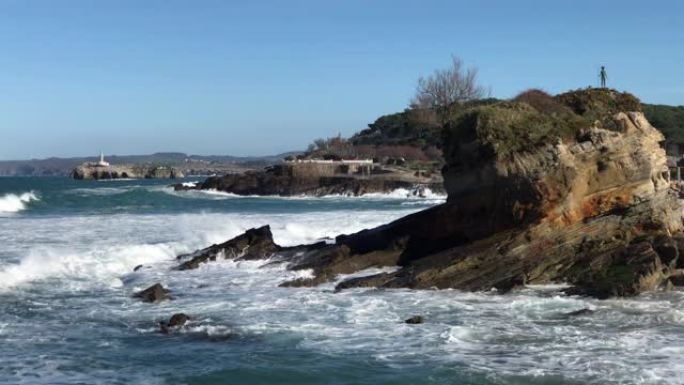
<point>68,250</point>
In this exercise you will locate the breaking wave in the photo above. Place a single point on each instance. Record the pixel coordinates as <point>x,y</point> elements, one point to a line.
<point>12,203</point>
<point>418,195</point>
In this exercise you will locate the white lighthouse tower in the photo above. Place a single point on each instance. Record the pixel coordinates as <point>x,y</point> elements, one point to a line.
<point>102,162</point>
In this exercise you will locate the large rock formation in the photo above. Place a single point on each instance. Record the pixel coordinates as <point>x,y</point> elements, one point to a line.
<point>303,179</point>
<point>94,171</point>
<point>574,189</point>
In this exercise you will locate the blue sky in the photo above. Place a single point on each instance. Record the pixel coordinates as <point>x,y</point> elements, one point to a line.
<point>262,77</point>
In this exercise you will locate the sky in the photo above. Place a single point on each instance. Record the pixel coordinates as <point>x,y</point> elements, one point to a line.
<point>265,77</point>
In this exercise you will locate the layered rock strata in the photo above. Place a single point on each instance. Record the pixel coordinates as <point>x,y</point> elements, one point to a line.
<point>579,195</point>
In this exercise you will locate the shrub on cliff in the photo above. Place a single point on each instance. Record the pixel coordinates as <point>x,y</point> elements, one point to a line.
<point>510,127</point>
<point>600,104</point>
<point>535,118</point>
<point>668,119</point>
<point>542,102</point>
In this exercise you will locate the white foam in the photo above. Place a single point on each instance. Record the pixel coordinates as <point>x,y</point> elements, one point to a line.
<point>97,250</point>
<point>524,333</point>
<point>100,191</point>
<point>418,195</point>
<point>102,265</point>
<point>12,203</point>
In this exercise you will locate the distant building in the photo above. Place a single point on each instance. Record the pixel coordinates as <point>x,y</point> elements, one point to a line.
<point>102,162</point>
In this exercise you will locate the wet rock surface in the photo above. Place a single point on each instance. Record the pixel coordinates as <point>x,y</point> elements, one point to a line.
<point>416,319</point>
<point>280,180</point>
<point>154,293</point>
<point>177,320</point>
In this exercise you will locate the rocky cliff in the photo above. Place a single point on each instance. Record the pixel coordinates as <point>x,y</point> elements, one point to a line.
<point>93,171</point>
<point>572,189</point>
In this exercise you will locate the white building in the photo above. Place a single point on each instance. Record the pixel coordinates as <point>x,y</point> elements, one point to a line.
<point>102,162</point>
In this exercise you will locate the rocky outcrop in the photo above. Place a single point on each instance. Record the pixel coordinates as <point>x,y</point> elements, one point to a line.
<point>288,180</point>
<point>578,193</point>
<point>255,243</point>
<point>415,320</point>
<point>176,321</point>
<point>154,293</point>
<point>94,171</point>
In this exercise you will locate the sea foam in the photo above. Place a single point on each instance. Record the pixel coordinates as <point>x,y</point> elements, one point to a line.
<point>12,203</point>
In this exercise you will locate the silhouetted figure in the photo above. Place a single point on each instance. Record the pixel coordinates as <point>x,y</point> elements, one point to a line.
<point>603,76</point>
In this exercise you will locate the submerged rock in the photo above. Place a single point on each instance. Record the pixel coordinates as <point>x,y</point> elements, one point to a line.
<point>177,320</point>
<point>154,293</point>
<point>580,312</point>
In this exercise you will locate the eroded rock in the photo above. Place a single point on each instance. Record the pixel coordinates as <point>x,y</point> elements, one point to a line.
<point>416,319</point>
<point>580,194</point>
<point>177,320</point>
<point>154,293</point>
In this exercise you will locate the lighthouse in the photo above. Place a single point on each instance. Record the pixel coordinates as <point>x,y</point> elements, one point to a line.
<point>102,162</point>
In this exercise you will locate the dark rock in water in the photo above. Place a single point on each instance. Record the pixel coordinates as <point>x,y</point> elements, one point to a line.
<point>154,293</point>
<point>416,319</point>
<point>176,320</point>
<point>253,244</point>
<point>137,268</point>
<point>580,312</point>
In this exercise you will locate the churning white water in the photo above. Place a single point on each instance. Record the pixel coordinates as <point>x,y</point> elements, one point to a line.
<point>12,203</point>
<point>66,282</point>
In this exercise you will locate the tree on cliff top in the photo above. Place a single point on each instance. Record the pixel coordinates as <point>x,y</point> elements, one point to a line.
<point>440,95</point>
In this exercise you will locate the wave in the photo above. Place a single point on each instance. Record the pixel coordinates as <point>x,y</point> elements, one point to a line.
<point>83,268</point>
<point>100,191</point>
<point>12,203</point>
<point>104,248</point>
<point>418,194</point>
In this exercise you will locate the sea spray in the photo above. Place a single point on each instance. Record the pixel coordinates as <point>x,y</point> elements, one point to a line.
<point>12,203</point>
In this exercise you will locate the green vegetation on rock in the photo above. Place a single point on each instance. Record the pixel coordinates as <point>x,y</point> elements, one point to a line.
<point>668,119</point>
<point>534,118</point>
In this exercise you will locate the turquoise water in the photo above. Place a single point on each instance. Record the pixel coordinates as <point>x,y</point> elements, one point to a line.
<point>68,249</point>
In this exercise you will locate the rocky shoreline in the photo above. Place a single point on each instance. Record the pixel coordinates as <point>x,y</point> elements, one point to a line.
<point>594,210</point>
<point>314,180</point>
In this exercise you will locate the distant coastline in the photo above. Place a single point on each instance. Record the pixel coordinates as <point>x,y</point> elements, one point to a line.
<point>189,165</point>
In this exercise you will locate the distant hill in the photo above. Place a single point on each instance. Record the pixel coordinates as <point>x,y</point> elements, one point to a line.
<point>189,164</point>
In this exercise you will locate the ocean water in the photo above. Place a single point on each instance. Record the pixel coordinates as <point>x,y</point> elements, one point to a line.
<point>68,249</point>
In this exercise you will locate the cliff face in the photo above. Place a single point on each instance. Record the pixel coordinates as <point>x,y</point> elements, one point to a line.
<point>578,192</point>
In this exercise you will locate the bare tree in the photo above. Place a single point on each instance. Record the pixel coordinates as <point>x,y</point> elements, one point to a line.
<point>446,90</point>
